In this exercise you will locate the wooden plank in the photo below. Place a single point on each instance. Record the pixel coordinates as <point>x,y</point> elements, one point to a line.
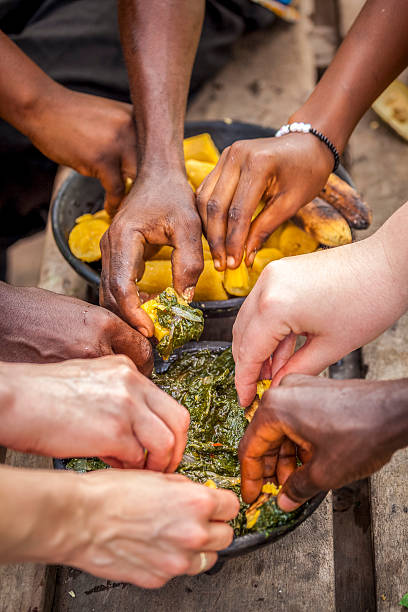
<point>294,574</point>
<point>378,165</point>
<point>387,358</point>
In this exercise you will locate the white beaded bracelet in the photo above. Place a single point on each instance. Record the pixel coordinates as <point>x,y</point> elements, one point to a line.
<point>306,128</point>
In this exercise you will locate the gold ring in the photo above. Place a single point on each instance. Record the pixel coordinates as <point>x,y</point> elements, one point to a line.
<point>203,562</point>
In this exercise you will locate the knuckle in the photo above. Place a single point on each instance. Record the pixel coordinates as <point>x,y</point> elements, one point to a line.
<point>235,214</point>
<point>201,502</point>
<point>213,208</point>
<point>168,442</point>
<point>265,302</point>
<point>125,369</point>
<point>196,538</point>
<point>177,565</point>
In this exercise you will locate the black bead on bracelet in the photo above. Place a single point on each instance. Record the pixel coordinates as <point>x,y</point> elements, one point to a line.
<point>306,128</point>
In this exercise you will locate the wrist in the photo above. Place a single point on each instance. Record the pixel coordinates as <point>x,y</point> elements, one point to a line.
<point>331,123</point>
<point>49,516</point>
<point>37,106</point>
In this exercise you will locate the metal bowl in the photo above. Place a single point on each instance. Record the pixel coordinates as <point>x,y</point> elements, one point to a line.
<point>251,541</point>
<point>79,195</point>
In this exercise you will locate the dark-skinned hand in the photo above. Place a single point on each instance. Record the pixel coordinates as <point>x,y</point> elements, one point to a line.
<point>39,326</point>
<point>343,430</point>
<point>159,210</point>
<point>285,173</point>
<point>93,135</point>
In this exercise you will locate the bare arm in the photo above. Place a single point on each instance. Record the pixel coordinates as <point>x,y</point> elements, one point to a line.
<point>159,39</point>
<point>372,55</point>
<point>118,524</point>
<point>93,135</point>
<point>290,171</point>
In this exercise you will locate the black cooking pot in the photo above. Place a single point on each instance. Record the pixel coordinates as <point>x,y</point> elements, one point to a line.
<point>79,195</point>
<point>252,541</point>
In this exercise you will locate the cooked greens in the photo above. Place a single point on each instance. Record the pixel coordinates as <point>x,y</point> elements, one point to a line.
<point>175,321</point>
<point>203,382</point>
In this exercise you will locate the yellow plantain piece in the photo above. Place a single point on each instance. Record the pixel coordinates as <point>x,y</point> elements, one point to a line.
<point>201,147</point>
<point>273,241</point>
<point>263,257</point>
<point>258,209</point>
<point>237,282</point>
<point>253,512</point>
<point>209,286</point>
<point>197,171</point>
<point>324,223</point>
<point>164,253</point>
<point>151,308</point>
<point>210,484</point>
<point>261,387</point>
<point>392,107</point>
<point>157,277</point>
<point>270,487</point>
<point>85,237</point>
<point>294,241</point>
<point>128,184</point>
<point>347,201</point>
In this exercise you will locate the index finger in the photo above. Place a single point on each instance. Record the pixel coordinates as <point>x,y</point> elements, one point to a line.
<point>123,257</point>
<point>256,344</point>
<point>261,438</point>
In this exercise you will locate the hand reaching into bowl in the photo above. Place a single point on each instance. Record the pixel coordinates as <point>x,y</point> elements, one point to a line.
<point>136,527</point>
<point>93,135</point>
<point>100,407</point>
<point>339,299</point>
<point>160,209</point>
<point>39,326</point>
<point>284,173</point>
<point>343,431</point>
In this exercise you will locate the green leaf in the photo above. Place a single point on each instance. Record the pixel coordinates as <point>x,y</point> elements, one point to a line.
<point>404,601</point>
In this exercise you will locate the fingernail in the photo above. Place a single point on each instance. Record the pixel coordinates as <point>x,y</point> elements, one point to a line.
<point>286,504</point>
<point>217,263</point>
<point>188,293</point>
<point>230,261</point>
<point>251,258</point>
<point>144,332</point>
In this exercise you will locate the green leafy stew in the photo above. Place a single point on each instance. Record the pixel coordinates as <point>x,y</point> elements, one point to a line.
<point>203,382</point>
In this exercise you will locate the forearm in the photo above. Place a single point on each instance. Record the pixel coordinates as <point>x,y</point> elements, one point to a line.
<point>160,39</point>
<point>394,422</point>
<point>20,325</point>
<point>372,55</point>
<point>21,98</point>
<point>40,514</point>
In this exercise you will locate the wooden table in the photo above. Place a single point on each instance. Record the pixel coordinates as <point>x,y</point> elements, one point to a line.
<point>351,555</point>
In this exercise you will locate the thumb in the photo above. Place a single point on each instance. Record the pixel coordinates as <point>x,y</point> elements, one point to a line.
<point>312,358</point>
<point>298,488</point>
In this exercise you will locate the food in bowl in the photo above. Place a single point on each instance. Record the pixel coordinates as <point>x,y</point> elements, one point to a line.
<point>175,321</point>
<point>327,220</point>
<point>203,382</point>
